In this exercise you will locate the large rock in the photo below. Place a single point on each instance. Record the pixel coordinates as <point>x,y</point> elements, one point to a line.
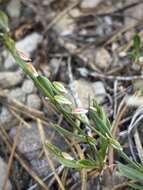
<point>27,45</point>
<point>90,90</point>
<point>3,174</point>
<point>30,146</point>
<point>10,79</point>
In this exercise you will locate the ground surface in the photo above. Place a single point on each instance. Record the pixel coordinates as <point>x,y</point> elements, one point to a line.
<point>87,40</point>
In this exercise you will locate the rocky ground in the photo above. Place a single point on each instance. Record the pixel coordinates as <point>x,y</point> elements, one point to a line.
<point>84,45</point>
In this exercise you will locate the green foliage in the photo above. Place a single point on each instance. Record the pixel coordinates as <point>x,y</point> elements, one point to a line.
<point>3,22</point>
<point>130,172</point>
<point>136,51</point>
<point>96,121</point>
<point>136,186</point>
<point>78,164</point>
<point>80,137</point>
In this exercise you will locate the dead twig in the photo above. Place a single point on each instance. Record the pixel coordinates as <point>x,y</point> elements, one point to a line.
<point>51,164</point>
<point>136,119</point>
<point>125,184</point>
<point>11,157</point>
<point>60,15</point>
<point>115,126</point>
<point>138,145</point>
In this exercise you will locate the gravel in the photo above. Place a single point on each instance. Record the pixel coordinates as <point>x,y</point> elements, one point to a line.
<point>86,89</point>
<point>30,146</point>
<point>10,79</point>
<point>13,8</point>
<point>28,87</point>
<point>27,45</point>
<point>7,120</point>
<point>34,101</point>
<point>18,94</point>
<point>102,58</point>
<point>89,4</point>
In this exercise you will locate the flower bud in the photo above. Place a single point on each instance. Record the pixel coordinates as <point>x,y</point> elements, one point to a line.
<point>24,56</point>
<point>80,111</point>
<point>62,100</point>
<point>67,156</point>
<point>59,86</point>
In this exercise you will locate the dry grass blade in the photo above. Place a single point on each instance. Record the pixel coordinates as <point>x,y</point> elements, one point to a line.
<point>120,186</point>
<point>138,145</point>
<point>42,135</point>
<point>114,131</point>
<point>136,119</point>
<point>20,119</point>
<point>11,156</point>
<point>64,176</point>
<point>119,33</point>
<point>83,171</point>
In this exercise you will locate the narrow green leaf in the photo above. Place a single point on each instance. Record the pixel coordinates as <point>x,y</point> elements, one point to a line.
<point>136,42</point>
<point>59,87</point>
<point>100,125</point>
<point>101,113</point>
<point>87,163</point>
<point>53,148</point>
<point>136,186</point>
<point>130,172</point>
<point>62,100</point>
<point>46,83</point>
<point>69,134</point>
<point>3,22</point>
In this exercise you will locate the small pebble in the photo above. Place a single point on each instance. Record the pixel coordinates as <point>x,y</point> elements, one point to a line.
<point>18,94</point>
<point>7,120</point>
<point>27,45</point>
<point>89,4</point>
<point>28,86</point>
<point>13,8</point>
<point>10,79</point>
<point>33,101</point>
<point>102,58</point>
